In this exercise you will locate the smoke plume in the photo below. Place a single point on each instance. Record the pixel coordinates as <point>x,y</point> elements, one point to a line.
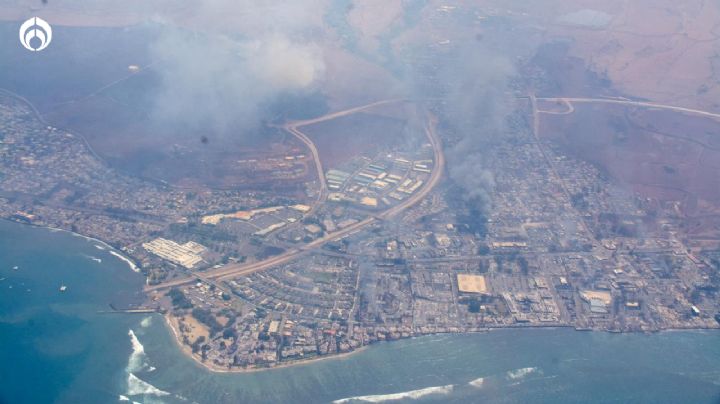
<point>223,78</point>
<point>477,106</point>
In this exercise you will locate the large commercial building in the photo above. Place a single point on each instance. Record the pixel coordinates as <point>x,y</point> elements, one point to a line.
<point>187,255</point>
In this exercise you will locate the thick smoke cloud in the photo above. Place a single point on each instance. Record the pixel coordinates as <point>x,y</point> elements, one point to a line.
<point>223,84</point>
<point>477,106</point>
<point>223,79</point>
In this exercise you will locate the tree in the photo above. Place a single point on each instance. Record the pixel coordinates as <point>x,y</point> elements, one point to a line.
<point>179,300</point>
<point>229,333</point>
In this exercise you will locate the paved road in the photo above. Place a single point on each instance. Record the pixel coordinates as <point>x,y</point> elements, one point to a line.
<point>346,112</point>
<point>618,101</point>
<point>560,180</point>
<point>234,270</point>
<point>438,167</point>
<point>293,126</point>
<point>316,157</point>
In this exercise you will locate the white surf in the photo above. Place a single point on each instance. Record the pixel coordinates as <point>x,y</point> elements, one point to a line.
<point>412,394</point>
<point>520,373</point>
<point>122,257</point>
<point>136,361</point>
<point>139,387</point>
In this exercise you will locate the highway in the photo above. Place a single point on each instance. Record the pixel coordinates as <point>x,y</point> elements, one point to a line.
<point>316,158</point>
<point>342,113</point>
<point>435,176</point>
<point>620,101</point>
<point>235,270</point>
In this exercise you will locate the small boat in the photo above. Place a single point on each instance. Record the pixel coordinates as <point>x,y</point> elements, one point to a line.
<point>63,288</point>
<point>16,267</point>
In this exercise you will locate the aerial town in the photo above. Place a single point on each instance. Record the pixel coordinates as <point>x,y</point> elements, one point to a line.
<point>378,246</point>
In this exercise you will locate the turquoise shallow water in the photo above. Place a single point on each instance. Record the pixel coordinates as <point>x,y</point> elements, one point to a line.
<point>57,348</point>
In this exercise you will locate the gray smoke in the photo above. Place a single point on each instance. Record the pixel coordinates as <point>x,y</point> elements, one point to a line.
<point>368,285</point>
<point>224,78</point>
<point>478,103</point>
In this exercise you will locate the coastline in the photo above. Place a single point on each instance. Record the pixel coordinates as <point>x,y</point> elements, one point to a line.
<point>110,249</point>
<point>172,325</point>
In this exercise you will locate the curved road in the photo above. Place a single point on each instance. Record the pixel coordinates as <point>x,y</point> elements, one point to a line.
<point>569,102</point>
<point>234,270</point>
<point>293,126</point>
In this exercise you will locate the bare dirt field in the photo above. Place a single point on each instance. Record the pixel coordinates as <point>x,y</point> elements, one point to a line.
<point>339,140</point>
<point>663,155</point>
<point>191,159</point>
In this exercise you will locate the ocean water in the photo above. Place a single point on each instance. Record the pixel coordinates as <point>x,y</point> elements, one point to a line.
<point>56,347</point>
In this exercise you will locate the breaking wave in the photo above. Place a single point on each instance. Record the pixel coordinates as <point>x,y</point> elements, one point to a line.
<point>99,247</point>
<point>146,322</point>
<point>137,362</point>
<point>477,382</point>
<point>137,357</point>
<point>412,394</point>
<point>139,387</point>
<point>520,373</point>
<point>96,259</point>
<point>124,258</point>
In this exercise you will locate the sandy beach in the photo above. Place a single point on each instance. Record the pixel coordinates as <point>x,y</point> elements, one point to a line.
<point>172,324</point>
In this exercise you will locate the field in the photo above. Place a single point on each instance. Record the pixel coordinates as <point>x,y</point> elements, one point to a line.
<point>667,156</point>
<point>127,140</point>
<point>339,140</point>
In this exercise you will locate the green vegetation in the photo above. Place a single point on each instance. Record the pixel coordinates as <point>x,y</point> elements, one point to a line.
<point>229,333</point>
<point>197,344</point>
<point>474,306</point>
<point>179,300</point>
<point>206,317</point>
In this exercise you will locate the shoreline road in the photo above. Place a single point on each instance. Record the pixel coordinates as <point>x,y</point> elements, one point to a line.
<point>234,270</point>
